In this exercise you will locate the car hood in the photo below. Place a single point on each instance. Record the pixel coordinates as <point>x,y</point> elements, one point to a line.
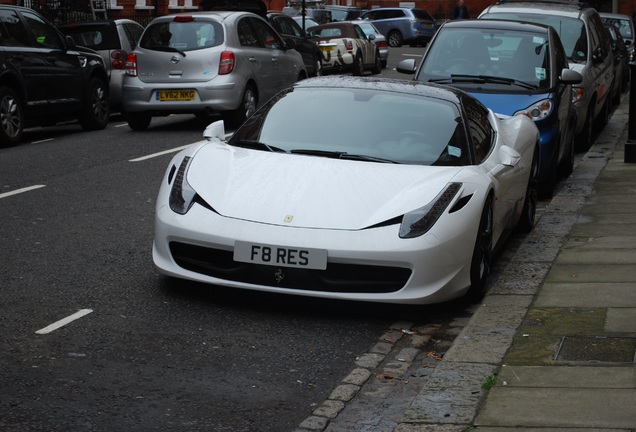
<point>310,191</point>
<point>508,103</point>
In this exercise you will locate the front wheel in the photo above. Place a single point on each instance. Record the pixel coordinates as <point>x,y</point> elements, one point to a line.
<point>529,211</point>
<point>377,65</point>
<point>11,118</point>
<point>358,65</point>
<point>96,110</point>
<point>317,67</point>
<point>482,255</point>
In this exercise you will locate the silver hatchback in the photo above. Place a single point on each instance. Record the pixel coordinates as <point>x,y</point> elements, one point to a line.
<point>207,63</point>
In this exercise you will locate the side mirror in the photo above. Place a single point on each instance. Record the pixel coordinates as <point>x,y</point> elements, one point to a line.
<point>406,66</point>
<point>371,37</point>
<point>569,76</point>
<point>215,130</point>
<point>290,43</point>
<point>70,42</point>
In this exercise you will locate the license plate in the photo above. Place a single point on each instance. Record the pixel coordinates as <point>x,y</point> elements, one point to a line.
<point>176,95</point>
<point>326,48</point>
<point>280,256</point>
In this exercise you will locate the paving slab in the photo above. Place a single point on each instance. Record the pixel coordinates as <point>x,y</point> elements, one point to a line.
<point>568,376</point>
<point>587,294</point>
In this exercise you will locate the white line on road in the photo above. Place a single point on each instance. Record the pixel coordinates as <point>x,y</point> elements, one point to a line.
<point>143,158</point>
<point>63,322</point>
<point>19,191</point>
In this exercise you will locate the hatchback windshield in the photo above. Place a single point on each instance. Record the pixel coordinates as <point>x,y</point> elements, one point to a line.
<point>481,56</point>
<point>358,124</point>
<point>570,30</point>
<point>182,36</point>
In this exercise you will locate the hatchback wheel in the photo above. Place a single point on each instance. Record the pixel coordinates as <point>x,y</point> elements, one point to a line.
<point>11,118</point>
<point>96,109</point>
<point>317,67</point>
<point>377,66</point>
<point>395,38</point>
<point>138,121</point>
<point>248,106</point>
<point>529,211</point>
<point>584,140</point>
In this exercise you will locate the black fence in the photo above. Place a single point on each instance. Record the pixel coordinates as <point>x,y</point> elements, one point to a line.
<point>65,11</point>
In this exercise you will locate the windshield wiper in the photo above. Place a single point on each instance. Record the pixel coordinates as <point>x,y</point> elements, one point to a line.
<point>257,145</point>
<point>167,49</point>
<point>482,79</point>
<point>342,155</point>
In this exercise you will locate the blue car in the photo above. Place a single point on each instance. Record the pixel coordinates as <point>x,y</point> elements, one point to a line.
<point>513,68</point>
<point>401,25</point>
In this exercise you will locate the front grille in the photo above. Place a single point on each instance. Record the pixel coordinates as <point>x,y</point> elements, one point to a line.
<point>342,278</point>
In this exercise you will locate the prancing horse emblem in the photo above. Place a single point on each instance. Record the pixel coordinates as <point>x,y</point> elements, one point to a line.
<point>279,276</point>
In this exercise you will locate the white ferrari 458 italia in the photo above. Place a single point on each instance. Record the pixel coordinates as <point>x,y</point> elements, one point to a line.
<point>353,188</point>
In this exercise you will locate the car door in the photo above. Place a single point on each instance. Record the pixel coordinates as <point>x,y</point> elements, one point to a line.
<point>367,46</point>
<point>602,60</point>
<point>288,28</point>
<point>64,68</point>
<point>276,64</point>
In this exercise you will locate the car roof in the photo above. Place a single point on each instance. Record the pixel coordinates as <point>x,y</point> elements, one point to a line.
<point>614,15</point>
<point>418,88</point>
<point>510,25</point>
<point>566,8</point>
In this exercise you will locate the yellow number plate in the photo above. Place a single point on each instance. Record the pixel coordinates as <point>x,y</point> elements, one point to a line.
<point>176,95</point>
<point>326,48</point>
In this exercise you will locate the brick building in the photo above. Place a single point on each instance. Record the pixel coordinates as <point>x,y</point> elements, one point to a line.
<point>145,10</point>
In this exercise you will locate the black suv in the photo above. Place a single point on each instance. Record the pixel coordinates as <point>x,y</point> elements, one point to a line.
<point>45,78</point>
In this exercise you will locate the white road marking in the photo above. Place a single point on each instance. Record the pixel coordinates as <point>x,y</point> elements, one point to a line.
<point>63,322</point>
<point>41,141</point>
<point>19,191</point>
<point>174,150</point>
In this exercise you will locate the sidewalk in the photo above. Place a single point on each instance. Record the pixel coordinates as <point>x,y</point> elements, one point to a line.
<point>557,339</point>
<point>552,346</point>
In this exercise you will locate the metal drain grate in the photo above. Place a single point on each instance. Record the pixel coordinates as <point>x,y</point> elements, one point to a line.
<point>597,349</point>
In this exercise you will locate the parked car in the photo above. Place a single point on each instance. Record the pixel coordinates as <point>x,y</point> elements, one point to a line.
<point>288,28</point>
<point>346,47</point>
<point>380,41</point>
<point>308,22</point>
<point>401,25</point>
<point>625,25</point>
<point>208,62</point>
<point>621,62</point>
<point>376,190</point>
<point>113,40</point>
<point>320,15</point>
<point>45,78</point>
<point>588,47</point>
<point>344,13</point>
<point>512,68</point>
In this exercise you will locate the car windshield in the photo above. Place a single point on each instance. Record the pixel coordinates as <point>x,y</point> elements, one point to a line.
<point>488,58</point>
<point>377,126</point>
<point>570,30</point>
<point>182,36</point>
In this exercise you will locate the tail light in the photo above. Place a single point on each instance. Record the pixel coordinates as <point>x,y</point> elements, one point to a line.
<point>226,65</point>
<point>382,44</point>
<point>348,44</point>
<point>131,65</point>
<point>117,60</point>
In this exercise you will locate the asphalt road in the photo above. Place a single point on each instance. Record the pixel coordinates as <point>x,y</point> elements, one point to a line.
<point>76,212</point>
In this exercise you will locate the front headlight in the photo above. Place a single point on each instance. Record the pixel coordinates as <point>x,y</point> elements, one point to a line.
<point>181,195</point>
<point>538,111</point>
<point>419,221</point>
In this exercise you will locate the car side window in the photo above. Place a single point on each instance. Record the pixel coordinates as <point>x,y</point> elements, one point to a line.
<point>598,30</point>
<point>480,131</point>
<point>361,34</point>
<point>45,34</point>
<point>247,35</point>
<point>133,34</point>
<point>16,34</point>
<point>288,26</point>
<point>266,34</point>
<point>561,58</point>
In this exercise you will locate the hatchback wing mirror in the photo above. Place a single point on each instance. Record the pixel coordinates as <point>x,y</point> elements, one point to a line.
<point>569,76</point>
<point>215,130</point>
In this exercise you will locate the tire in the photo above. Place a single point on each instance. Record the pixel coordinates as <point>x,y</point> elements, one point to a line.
<point>482,255</point>
<point>11,118</point>
<point>247,107</point>
<point>529,211</point>
<point>96,109</point>
<point>584,140</point>
<point>603,117</point>
<point>138,121</point>
<point>567,164</point>
<point>358,65</point>
<point>546,186</point>
<point>395,38</point>
<point>317,67</point>
<point>377,66</point>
